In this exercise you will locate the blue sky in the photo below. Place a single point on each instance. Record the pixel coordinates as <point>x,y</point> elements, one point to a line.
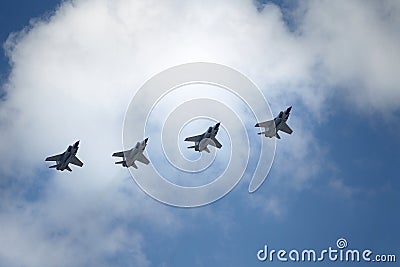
<point>75,71</point>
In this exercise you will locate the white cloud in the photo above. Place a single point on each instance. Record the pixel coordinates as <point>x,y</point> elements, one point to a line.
<point>74,73</point>
<point>357,46</point>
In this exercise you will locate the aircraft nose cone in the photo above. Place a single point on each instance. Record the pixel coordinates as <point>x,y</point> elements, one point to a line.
<point>77,143</point>
<point>145,140</point>
<point>289,109</point>
<point>217,125</point>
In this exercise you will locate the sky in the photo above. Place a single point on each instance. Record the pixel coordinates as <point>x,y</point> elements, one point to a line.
<point>70,69</point>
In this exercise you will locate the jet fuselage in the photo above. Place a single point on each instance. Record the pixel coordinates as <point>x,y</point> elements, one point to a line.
<point>133,154</point>
<point>202,141</point>
<point>206,138</point>
<point>64,159</point>
<point>282,118</point>
<point>67,157</point>
<point>277,124</point>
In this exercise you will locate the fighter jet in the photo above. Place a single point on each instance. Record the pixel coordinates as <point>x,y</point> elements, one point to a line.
<point>201,141</point>
<point>69,156</point>
<point>130,156</point>
<point>278,124</point>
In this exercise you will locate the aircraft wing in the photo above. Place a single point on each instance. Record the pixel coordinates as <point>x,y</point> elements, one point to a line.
<point>142,158</point>
<point>120,154</point>
<point>195,138</point>
<point>74,160</point>
<point>285,128</point>
<point>216,142</point>
<point>266,124</point>
<point>54,158</point>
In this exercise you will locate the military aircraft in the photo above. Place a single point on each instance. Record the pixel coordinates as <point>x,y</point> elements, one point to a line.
<point>69,156</point>
<point>201,141</point>
<point>278,124</point>
<point>130,156</point>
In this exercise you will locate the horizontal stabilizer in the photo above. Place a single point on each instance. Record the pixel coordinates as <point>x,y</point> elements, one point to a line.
<point>277,136</point>
<point>121,162</point>
<point>207,150</point>
<point>54,166</point>
<point>191,147</point>
<point>68,168</point>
